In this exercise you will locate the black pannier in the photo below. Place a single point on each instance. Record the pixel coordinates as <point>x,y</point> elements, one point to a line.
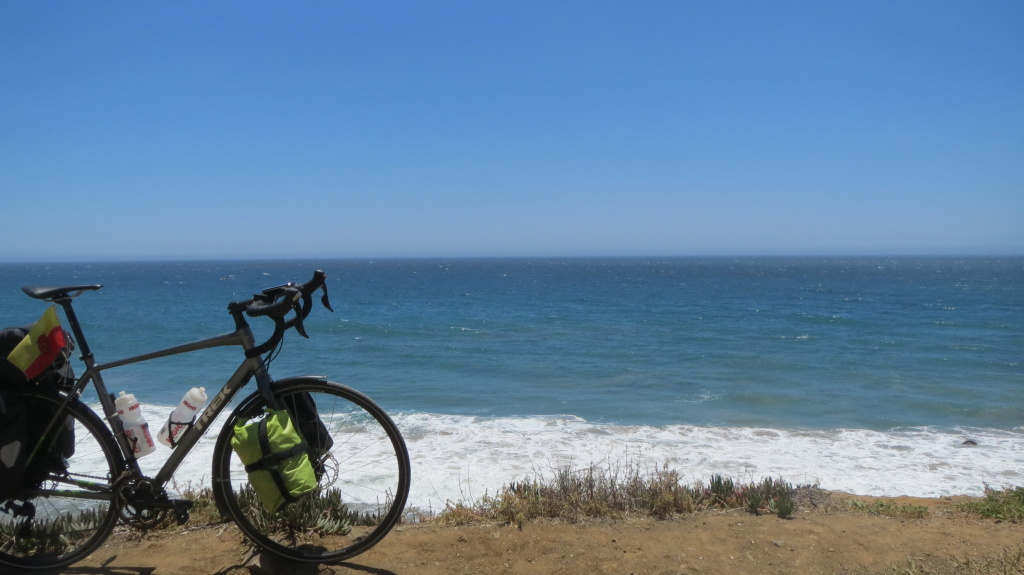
<point>13,445</point>
<point>304,413</point>
<point>14,435</point>
<point>10,376</point>
<point>19,432</point>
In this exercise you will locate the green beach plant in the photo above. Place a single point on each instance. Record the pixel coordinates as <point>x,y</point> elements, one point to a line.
<point>722,491</point>
<point>50,537</point>
<point>783,506</point>
<point>755,500</point>
<point>323,510</point>
<point>775,495</point>
<point>1001,504</point>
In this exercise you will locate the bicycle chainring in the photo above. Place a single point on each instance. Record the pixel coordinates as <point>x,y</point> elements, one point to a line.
<point>140,503</point>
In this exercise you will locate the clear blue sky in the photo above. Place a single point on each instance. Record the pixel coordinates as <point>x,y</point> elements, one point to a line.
<point>476,128</point>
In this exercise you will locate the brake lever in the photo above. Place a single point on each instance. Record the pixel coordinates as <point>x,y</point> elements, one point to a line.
<point>307,305</point>
<point>324,300</point>
<point>297,320</point>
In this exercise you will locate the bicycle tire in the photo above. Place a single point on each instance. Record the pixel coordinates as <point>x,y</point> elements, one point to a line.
<point>361,494</point>
<point>73,511</point>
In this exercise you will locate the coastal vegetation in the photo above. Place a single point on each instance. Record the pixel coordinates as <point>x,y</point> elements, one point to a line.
<point>594,493</point>
<point>615,492</point>
<point>1000,504</point>
<point>599,493</point>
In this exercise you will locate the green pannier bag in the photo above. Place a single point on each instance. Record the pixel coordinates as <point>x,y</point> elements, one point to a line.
<point>275,458</point>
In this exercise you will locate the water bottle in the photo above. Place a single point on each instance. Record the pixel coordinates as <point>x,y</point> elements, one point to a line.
<point>135,426</point>
<point>182,417</point>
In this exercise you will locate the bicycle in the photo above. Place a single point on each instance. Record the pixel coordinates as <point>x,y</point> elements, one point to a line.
<point>363,478</point>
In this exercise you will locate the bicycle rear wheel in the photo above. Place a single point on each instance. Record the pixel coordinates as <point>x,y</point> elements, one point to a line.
<point>363,477</point>
<point>72,512</point>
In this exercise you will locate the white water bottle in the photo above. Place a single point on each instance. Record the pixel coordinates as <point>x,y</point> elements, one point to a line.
<point>135,426</point>
<point>182,416</point>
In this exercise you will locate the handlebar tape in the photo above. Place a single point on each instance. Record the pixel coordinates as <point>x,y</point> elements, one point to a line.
<point>292,297</point>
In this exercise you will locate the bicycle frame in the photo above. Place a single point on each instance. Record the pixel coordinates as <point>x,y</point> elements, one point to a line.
<point>251,366</point>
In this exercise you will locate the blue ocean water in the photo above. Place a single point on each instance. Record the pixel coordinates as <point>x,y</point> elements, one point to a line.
<point>859,374</point>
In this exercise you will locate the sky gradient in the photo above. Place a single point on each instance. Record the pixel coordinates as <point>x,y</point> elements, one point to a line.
<point>145,130</point>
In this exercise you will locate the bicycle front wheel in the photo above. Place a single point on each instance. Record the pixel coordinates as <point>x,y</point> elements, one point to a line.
<point>362,467</point>
<point>70,510</point>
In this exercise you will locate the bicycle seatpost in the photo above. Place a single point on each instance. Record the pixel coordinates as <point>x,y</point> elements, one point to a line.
<point>76,329</point>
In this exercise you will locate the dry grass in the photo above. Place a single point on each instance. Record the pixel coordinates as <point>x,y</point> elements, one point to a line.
<point>592,492</point>
<point>1009,562</point>
<point>888,508</point>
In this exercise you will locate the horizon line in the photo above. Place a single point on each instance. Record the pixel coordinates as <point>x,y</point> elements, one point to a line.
<point>395,257</point>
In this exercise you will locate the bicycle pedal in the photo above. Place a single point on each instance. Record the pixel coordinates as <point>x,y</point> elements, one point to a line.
<point>181,508</point>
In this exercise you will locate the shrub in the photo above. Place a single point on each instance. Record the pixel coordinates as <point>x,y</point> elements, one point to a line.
<point>1005,504</point>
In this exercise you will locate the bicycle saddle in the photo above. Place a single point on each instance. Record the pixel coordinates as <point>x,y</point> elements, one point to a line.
<point>52,293</point>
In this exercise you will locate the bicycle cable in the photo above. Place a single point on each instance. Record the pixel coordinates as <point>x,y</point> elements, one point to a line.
<point>272,354</point>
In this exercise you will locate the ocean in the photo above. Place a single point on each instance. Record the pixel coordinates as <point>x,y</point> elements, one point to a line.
<point>858,374</point>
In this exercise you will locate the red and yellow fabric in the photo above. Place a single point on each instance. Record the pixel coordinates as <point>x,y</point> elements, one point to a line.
<point>41,346</point>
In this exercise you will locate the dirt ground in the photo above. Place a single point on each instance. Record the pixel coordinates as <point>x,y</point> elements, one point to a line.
<point>829,538</point>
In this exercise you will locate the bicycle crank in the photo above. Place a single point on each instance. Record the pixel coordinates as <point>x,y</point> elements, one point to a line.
<point>142,505</point>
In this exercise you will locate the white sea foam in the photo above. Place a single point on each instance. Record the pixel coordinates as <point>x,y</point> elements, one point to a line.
<point>458,458</point>
<point>462,458</point>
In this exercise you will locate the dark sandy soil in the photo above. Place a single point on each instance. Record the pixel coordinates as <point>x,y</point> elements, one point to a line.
<point>823,539</point>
